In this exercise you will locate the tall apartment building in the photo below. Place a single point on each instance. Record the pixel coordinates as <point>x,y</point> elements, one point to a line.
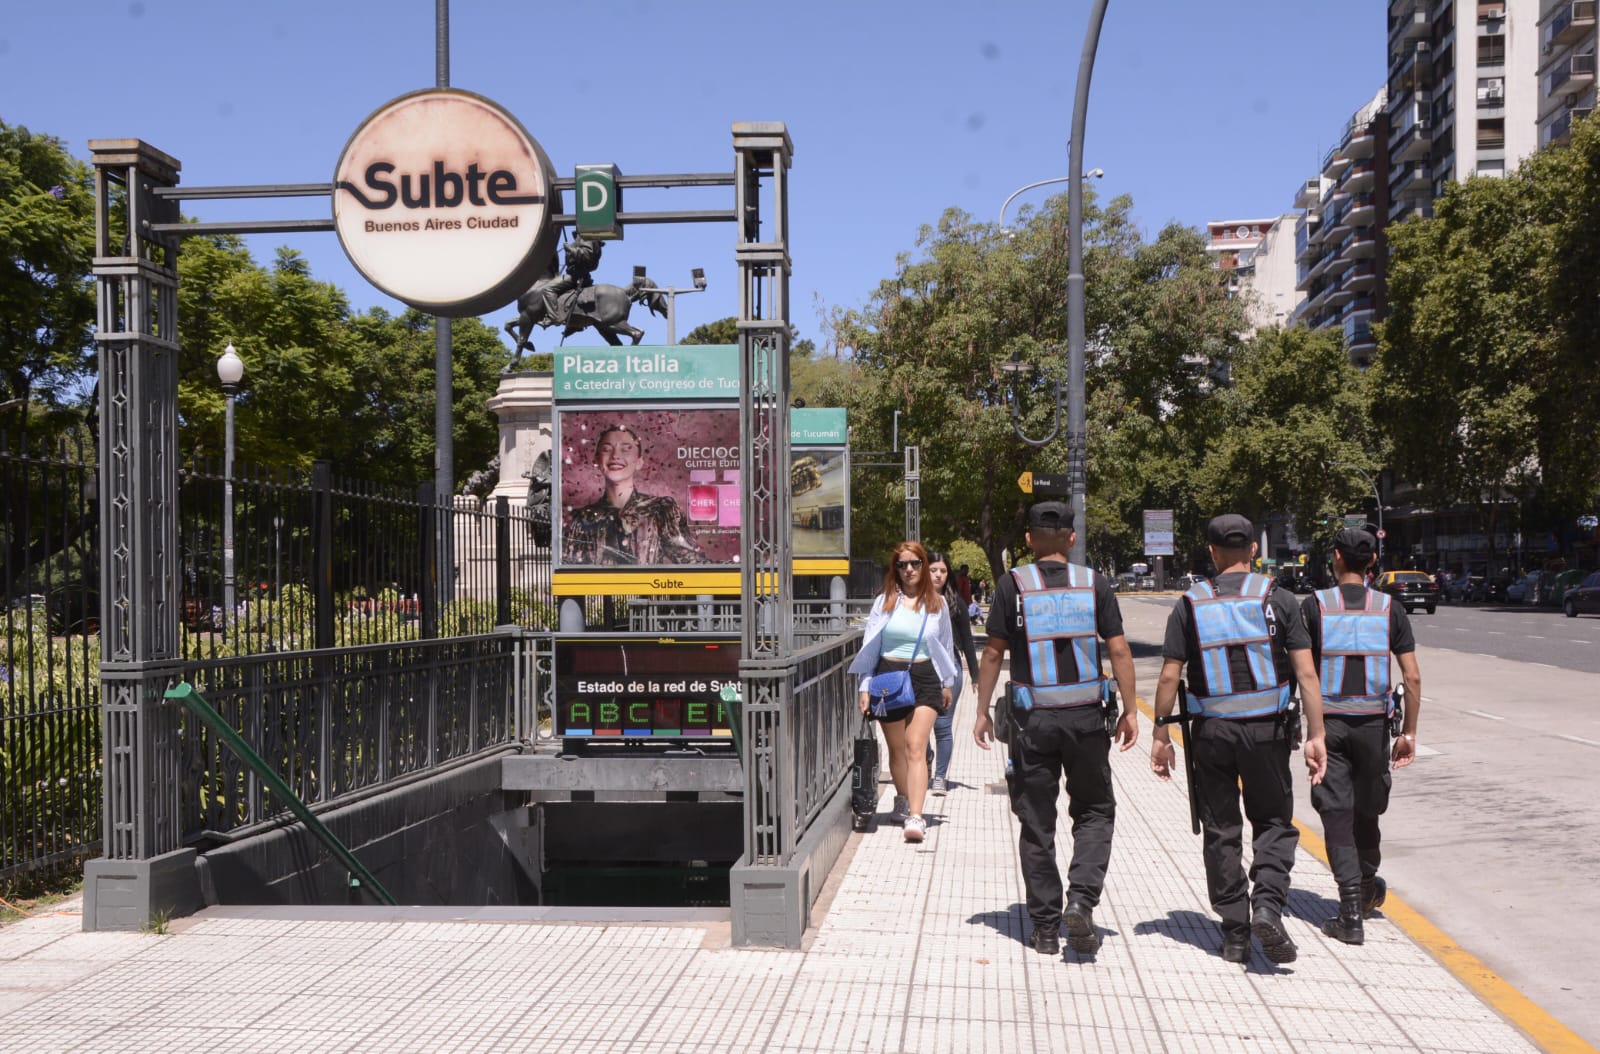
<point>1567,39</point>
<point>1464,93</point>
<point>1339,245</point>
<point>1257,258</point>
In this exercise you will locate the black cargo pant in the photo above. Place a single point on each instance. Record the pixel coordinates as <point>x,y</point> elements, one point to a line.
<point>1252,753</point>
<point>1353,794</point>
<point>1045,744</point>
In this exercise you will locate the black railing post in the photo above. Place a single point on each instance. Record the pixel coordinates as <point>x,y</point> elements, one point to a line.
<point>322,552</point>
<point>502,560</point>
<point>428,539</point>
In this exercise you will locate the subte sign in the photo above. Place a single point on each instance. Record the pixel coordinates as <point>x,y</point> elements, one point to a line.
<point>444,201</point>
<point>599,201</point>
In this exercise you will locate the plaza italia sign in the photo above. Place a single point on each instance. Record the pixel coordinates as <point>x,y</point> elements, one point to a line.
<point>444,201</point>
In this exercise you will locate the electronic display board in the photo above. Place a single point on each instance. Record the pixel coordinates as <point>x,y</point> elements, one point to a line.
<point>657,688</point>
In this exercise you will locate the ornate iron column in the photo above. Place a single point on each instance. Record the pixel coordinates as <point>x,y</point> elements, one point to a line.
<point>143,871</point>
<point>766,898</point>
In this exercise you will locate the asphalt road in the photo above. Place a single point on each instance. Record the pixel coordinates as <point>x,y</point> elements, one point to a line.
<point>1525,634</point>
<point>1494,833</point>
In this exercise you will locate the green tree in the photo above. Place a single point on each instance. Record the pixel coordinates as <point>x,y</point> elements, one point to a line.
<point>1296,432</point>
<point>973,331</point>
<point>46,296</point>
<point>1462,368</point>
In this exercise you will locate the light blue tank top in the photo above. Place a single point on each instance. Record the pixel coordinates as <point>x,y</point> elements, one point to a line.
<point>900,635</point>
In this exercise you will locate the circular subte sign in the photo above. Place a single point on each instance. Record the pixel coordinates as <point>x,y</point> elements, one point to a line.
<point>443,200</point>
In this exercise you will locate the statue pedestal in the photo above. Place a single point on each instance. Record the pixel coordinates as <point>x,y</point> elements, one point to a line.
<point>523,404</point>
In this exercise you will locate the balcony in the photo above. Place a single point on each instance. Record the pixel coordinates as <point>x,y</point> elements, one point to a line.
<point>1360,178</point>
<point>1340,295</point>
<point>1573,21</point>
<point>1411,180</point>
<point>1560,129</point>
<point>1335,229</point>
<point>1572,74</point>
<point>1310,193</point>
<point>1361,246</point>
<point>1414,144</point>
<point>1362,211</point>
<point>1410,25</point>
<point>1414,57</point>
<point>1362,277</point>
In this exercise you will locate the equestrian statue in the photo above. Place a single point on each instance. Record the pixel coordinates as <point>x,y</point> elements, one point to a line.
<point>571,299</point>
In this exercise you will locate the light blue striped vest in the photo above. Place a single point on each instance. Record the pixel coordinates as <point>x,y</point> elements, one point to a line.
<point>1355,633</point>
<point>1226,622</point>
<point>1051,614</point>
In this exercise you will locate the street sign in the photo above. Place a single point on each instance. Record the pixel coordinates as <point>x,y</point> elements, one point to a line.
<point>1025,481</point>
<point>1056,486</point>
<point>599,199</point>
<point>1158,539</point>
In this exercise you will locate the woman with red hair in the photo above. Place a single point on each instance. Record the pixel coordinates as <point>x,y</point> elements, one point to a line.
<point>909,630</point>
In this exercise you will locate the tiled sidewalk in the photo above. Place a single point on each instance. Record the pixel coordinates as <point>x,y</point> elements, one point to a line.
<point>920,950</point>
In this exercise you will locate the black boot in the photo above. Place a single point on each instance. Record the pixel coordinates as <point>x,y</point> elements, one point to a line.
<point>1346,926</point>
<point>1374,891</point>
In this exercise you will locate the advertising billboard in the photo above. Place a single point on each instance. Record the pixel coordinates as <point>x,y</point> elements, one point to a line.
<point>655,689</point>
<point>647,487</point>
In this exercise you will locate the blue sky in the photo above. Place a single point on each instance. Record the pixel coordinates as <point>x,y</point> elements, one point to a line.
<point>897,110</point>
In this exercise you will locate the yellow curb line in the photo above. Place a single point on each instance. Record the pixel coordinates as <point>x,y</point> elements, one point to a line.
<point>1551,1035</point>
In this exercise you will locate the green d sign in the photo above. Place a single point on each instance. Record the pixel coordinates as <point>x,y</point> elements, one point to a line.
<point>599,201</point>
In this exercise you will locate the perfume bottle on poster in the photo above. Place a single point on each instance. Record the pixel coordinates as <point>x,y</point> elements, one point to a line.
<point>728,500</point>
<point>704,496</point>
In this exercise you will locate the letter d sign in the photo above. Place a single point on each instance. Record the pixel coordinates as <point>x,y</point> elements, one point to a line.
<point>599,201</point>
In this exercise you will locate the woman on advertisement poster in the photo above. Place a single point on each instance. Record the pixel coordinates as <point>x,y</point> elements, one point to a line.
<point>626,526</point>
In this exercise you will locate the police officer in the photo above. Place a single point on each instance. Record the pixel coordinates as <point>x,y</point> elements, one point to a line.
<point>1353,631</point>
<point>1047,615</point>
<point>1244,644</point>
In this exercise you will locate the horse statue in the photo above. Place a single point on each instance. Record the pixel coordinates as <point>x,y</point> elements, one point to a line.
<point>571,299</point>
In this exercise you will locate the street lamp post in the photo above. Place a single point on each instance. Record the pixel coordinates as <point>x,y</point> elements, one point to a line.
<point>698,274</point>
<point>230,371</point>
<point>1077,437</point>
<point>1093,173</point>
<point>1377,500</point>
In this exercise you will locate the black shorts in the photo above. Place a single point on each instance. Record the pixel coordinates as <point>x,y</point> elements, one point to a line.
<point>925,685</point>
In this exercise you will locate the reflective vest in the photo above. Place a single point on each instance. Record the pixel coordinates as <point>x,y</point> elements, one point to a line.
<point>1355,633</point>
<point>1051,614</point>
<point>1241,621</point>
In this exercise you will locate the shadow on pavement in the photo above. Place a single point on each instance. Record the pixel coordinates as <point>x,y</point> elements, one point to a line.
<point>1003,920</point>
<point>1186,927</point>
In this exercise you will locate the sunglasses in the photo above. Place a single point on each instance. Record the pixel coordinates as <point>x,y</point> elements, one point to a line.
<point>908,564</point>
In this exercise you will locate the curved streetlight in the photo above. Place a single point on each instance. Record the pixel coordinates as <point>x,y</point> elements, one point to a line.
<point>697,274</point>
<point>1377,500</point>
<point>1093,173</point>
<point>230,371</point>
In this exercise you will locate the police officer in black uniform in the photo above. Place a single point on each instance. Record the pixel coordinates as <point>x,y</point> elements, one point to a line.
<point>1353,631</point>
<point>1048,615</point>
<point>1244,645</point>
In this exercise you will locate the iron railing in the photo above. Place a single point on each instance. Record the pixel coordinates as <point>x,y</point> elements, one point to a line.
<point>798,728</point>
<point>50,769</point>
<point>335,724</point>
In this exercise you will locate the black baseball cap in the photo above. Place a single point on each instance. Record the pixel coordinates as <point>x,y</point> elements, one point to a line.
<point>1356,543</point>
<point>1051,514</point>
<point>1230,530</point>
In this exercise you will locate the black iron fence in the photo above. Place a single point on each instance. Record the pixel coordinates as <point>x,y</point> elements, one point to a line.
<point>49,657</point>
<point>322,569</point>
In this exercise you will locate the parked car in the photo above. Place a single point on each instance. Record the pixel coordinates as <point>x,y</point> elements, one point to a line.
<point>1467,587</point>
<point>1410,589</point>
<point>1553,589</point>
<point>1524,590</point>
<point>1583,598</point>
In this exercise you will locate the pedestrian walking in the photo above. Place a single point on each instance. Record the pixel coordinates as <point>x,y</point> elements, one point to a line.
<point>1353,632</point>
<point>907,641</point>
<point>961,629</point>
<point>1244,645</point>
<point>1048,615</point>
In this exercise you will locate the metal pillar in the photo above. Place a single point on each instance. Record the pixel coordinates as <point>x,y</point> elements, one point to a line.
<point>143,871</point>
<point>913,494</point>
<point>769,900</point>
<point>1077,434</point>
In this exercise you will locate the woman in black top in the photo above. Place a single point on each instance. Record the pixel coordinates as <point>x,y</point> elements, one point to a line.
<point>961,628</point>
